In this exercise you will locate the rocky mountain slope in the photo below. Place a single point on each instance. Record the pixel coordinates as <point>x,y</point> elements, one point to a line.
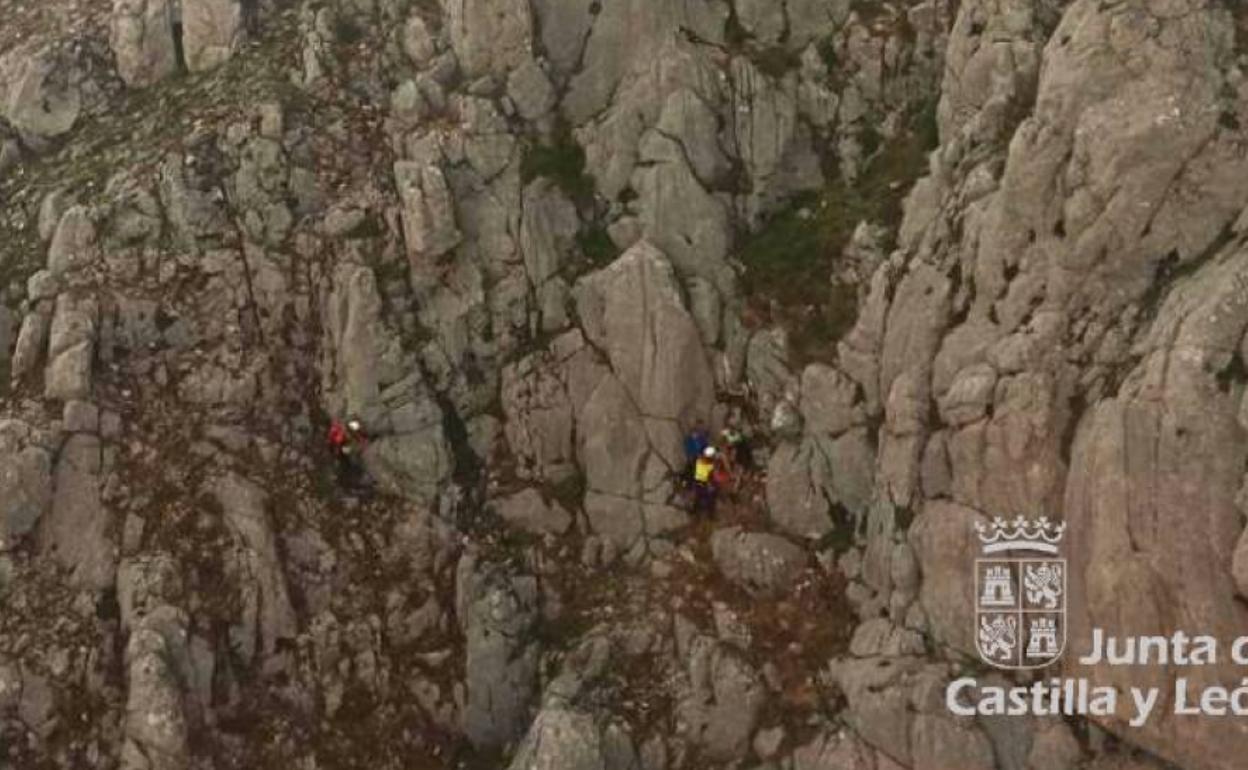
<point>945,259</point>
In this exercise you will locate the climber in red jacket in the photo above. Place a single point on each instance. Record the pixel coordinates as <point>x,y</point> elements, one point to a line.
<point>348,443</point>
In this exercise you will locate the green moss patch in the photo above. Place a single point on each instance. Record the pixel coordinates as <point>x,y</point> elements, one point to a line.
<point>790,262</point>
<point>563,162</point>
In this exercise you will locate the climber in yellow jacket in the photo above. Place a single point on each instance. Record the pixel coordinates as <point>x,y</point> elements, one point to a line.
<point>704,482</point>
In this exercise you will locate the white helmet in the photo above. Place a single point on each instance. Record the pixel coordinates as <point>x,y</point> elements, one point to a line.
<point>354,425</point>
<point>708,452</point>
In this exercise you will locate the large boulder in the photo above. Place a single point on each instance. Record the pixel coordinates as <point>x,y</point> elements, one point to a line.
<point>724,700</point>
<point>897,705</point>
<point>528,512</point>
<point>212,31</point>
<point>633,311</point>
<point>765,565</point>
<point>41,90</point>
<point>561,739</point>
<point>142,40</point>
<point>659,382</point>
<point>25,481</point>
<point>798,480</point>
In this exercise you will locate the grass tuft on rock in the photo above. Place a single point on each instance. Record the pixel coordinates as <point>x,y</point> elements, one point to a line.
<point>790,262</point>
<point>563,162</point>
<point>596,245</point>
<point>775,61</point>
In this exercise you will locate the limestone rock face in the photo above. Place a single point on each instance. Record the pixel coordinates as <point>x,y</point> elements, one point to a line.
<point>632,405</point>
<point>71,349</point>
<point>543,396</point>
<point>1070,380</point>
<point>942,536</point>
<point>528,243</point>
<point>796,480</point>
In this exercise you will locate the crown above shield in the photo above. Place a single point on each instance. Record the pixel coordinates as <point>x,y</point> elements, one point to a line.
<point>1021,534</point>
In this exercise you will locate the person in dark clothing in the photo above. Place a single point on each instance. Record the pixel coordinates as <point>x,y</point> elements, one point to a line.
<point>696,442</point>
<point>738,449</point>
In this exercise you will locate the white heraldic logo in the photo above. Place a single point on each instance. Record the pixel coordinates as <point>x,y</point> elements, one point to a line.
<point>1020,593</point>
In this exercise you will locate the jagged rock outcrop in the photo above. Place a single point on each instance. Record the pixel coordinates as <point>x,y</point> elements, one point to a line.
<point>529,244</point>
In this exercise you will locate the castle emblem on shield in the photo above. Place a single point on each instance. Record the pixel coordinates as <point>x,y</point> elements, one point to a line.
<point>1020,593</point>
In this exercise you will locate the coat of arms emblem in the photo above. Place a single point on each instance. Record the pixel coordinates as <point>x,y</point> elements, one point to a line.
<point>1020,593</point>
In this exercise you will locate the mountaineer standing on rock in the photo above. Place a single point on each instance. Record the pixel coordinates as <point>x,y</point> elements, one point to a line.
<point>348,443</point>
<point>704,482</point>
<point>696,443</point>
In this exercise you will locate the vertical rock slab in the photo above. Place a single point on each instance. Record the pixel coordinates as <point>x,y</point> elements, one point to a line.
<point>142,41</point>
<point>428,211</point>
<point>71,349</point>
<point>633,311</point>
<point>25,481</point>
<point>543,397</point>
<point>497,613</point>
<point>212,30</point>
<point>156,729</point>
<point>267,615</point>
<point>798,477</point>
<point>76,529</point>
<point>44,97</point>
